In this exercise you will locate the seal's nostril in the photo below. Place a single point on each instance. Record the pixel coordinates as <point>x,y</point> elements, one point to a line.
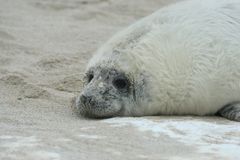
<point>85,99</point>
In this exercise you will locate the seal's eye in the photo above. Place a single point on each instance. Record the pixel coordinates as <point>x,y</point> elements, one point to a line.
<point>121,83</point>
<point>90,77</point>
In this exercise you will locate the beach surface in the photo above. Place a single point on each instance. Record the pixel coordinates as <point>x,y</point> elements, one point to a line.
<point>44,48</point>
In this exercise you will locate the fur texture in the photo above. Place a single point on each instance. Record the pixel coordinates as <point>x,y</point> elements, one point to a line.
<point>183,59</point>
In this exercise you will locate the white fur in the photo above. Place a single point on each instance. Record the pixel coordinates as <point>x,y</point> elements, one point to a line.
<point>191,52</point>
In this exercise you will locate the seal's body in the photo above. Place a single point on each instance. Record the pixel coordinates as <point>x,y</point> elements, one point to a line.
<point>182,59</point>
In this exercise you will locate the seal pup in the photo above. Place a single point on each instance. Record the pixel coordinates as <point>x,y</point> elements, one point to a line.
<point>181,60</point>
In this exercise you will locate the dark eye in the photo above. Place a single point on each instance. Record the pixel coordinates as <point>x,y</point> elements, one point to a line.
<point>121,83</point>
<point>90,77</point>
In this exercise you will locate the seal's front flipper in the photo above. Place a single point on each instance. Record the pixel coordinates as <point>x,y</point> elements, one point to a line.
<point>231,112</point>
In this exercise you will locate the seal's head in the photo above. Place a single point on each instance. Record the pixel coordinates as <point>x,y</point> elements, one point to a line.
<point>114,82</point>
<point>113,86</point>
<point>105,93</point>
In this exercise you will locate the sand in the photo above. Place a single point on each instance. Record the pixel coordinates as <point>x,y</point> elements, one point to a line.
<point>44,47</point>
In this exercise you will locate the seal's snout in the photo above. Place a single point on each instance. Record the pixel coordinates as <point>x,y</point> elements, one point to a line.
<point>84,99</point>
<point>87,100</point>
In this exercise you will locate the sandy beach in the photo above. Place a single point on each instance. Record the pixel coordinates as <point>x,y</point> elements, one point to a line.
<point>44,48</point>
